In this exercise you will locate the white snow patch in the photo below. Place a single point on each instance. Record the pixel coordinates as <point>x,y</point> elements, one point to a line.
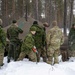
<point>27,67</point>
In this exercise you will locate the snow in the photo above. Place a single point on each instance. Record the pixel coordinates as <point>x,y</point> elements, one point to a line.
<point>27,67</point>
<point>67,30</point>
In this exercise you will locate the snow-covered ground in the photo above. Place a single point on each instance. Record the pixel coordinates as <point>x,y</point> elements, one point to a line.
<point>27,67</point>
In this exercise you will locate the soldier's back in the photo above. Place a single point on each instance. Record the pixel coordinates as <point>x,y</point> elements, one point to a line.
<point>55,37</point>
<point>12,32</point>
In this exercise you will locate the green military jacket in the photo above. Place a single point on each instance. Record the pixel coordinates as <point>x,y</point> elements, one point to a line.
<point>71,39</point>
<point>28,43</point>
<point>44,37</point>
<point>2,39</point>
<point>39,42</point>
<point>13,32</point>
<point>55,38</point>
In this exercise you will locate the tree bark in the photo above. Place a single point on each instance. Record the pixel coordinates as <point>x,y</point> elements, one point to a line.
<point>71,14</point>
<point>65,15</point>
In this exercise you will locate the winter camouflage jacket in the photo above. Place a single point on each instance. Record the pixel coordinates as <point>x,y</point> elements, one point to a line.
<point>55,38</point>
<point>71,39</point>
<point>28,43</point>
<point>44,37</point>
<point>13,32</point>
<point>2,39</point>
<point>39,42</point>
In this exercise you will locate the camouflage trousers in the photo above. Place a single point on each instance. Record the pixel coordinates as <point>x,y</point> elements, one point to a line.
<point>6,50</point>
<point>51,53</point>
<point>1,58</point>
<point>31,56</point>
<point>41,53</point>
<point>14,51</point>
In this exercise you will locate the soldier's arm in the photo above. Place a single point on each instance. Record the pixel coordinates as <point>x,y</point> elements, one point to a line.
<point>20,30</point>
<point>28,42</point>
<point>70,35</point>
<point>43,37</point>
<point>62,38</point>
<point>3,38</point>
<point>8,34</point>
<point>48,37</point>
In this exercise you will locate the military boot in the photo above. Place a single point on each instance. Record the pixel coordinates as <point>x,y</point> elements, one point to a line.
<point>2,64</point>
<point>56,62</point>
<point>49,62</point>
<point>8,60</point>
<point>44,59</point>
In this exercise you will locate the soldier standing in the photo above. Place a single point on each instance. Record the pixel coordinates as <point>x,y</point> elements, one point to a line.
<point>71,41</point>
<point>44,42</point>
<point>55,39</point>
<point>2,43</point>
<point>28,46</point>
<point>13,35</point>
<point>39,42</point>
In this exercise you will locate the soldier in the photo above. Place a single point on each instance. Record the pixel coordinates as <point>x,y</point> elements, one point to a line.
<point>13,35</point>
<point>28,46</point>
<point>71,41</point>
<point>39,42</point>
<point>44,42</point>
<point>2,43</point>
<point>44,34</point>
<point>55,39</point>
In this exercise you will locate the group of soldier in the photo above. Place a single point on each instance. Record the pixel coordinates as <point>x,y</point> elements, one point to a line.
<point>37,43</point>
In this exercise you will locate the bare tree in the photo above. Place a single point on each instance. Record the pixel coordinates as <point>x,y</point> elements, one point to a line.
<point>65,16</point>
<point>35,9</point>
<point>71,13</point>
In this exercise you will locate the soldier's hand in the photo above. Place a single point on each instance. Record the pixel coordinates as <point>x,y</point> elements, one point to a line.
<point>35,50</point>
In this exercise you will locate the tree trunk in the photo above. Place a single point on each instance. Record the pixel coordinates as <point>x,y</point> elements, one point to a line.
<point>36,9</point>
<point>65,15</point>
<point>71,14</point>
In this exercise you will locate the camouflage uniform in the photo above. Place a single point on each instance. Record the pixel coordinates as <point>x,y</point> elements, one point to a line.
<point>44,42</point>
<point>45,26</point>
<point>13,35</point>
<point>71,41</point>
<point>54,40</point>
<point>2,44</point>
<point>39,41</point>
<point>26,48</point>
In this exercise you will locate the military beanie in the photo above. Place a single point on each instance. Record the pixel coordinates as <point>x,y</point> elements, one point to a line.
<point>14,21</point>
<point>35,23</point>
<point>54,23</point>
<point>33,29</point>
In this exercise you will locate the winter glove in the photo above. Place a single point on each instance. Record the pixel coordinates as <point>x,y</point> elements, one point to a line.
<point>34,49</point>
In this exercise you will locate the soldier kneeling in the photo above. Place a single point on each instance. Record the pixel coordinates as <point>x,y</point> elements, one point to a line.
<point>28,46</point>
